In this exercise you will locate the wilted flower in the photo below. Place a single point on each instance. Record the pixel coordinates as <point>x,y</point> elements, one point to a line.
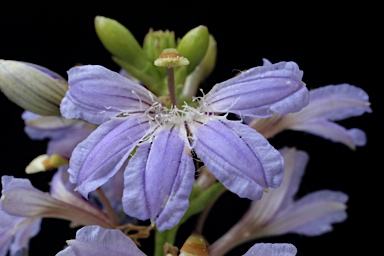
<point>278,213</point>
<point>158,141</point>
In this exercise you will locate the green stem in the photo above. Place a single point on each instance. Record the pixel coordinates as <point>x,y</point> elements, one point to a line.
<point>199,200</point>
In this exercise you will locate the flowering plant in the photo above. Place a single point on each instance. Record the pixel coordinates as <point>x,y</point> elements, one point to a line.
<point>141,151</point>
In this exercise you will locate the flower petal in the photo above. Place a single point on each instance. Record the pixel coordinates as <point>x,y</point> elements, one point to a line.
<point>16,231</point>
<point>96,94</point>
<point>237,155</point>
<point>94,240</point>
<point>159,179</point>
<point>272,250</point>
<point>334,132</point>
<point>22,199</point>
<point>262,211</point>
<point>336,102</point>
<point>260,92</point>
<point>104,151</point>
<point>311,215</point>
<point>64,134</point>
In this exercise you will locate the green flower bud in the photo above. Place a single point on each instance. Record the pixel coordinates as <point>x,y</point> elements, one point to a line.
<point>32,87</point>
<point>119,41</point>
<point>202,71</point>
<point>156,41</point>
<point>194,45</point>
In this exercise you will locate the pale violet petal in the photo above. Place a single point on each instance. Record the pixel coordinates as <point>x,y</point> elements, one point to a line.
<point>61,189</point>
<point>311,215</point>
<point>336,102</point>
<point>16,231</point>
<point>264,249</point>
<point>94,240</point>
<point>295,162</point>
<point>65,145</point>
<point>159,178</point>
<point>23,232</point>
<point>20,198</point>
<point>104,151</point>
<point>332,131</point>
<point>96,94</point>
<point>266,62</point>
<point>262,211</point>
<point>68,251</point>
<point>63,134</point>
<point>260,92</point>
<point>237,155</point>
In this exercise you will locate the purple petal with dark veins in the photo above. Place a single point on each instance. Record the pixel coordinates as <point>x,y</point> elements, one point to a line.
<point>159,179</point>
<point>97,94</point>
<point>104,151</point>
<point>238,156</point>
<point>260,92</point>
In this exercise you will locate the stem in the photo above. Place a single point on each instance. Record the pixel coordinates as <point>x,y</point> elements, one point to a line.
<point>161,238</point>
<point>107,205</point>
<point>171,86</point>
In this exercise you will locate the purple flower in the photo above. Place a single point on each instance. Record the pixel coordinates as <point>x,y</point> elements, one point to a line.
<point>326,105</point>
<point>94,240</point>
<point>158,141</point>
<point>278,213</point>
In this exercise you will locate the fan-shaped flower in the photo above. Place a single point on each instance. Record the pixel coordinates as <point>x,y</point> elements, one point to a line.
<point>159,141</point>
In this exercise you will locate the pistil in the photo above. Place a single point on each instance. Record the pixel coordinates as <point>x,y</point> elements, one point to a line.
<point>171,59</point>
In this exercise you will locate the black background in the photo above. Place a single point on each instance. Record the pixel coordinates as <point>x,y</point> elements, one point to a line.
<point>331,45</point>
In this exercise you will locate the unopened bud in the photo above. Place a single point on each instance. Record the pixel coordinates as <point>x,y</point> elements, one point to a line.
<point>195,245</point>
<point>194,45</point>
<point>44,163</point>
<point>119,41</point>
<point>156,41</point>
<point>32,87</point>
<point>202,71</point>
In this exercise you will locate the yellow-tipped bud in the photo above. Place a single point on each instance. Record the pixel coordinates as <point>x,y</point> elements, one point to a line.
<point>44,163</point>
<point>32,87</point>
<point>170,58</point>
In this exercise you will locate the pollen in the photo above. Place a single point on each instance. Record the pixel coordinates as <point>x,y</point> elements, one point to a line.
<point>171,58</point>
<point>187,150</point>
